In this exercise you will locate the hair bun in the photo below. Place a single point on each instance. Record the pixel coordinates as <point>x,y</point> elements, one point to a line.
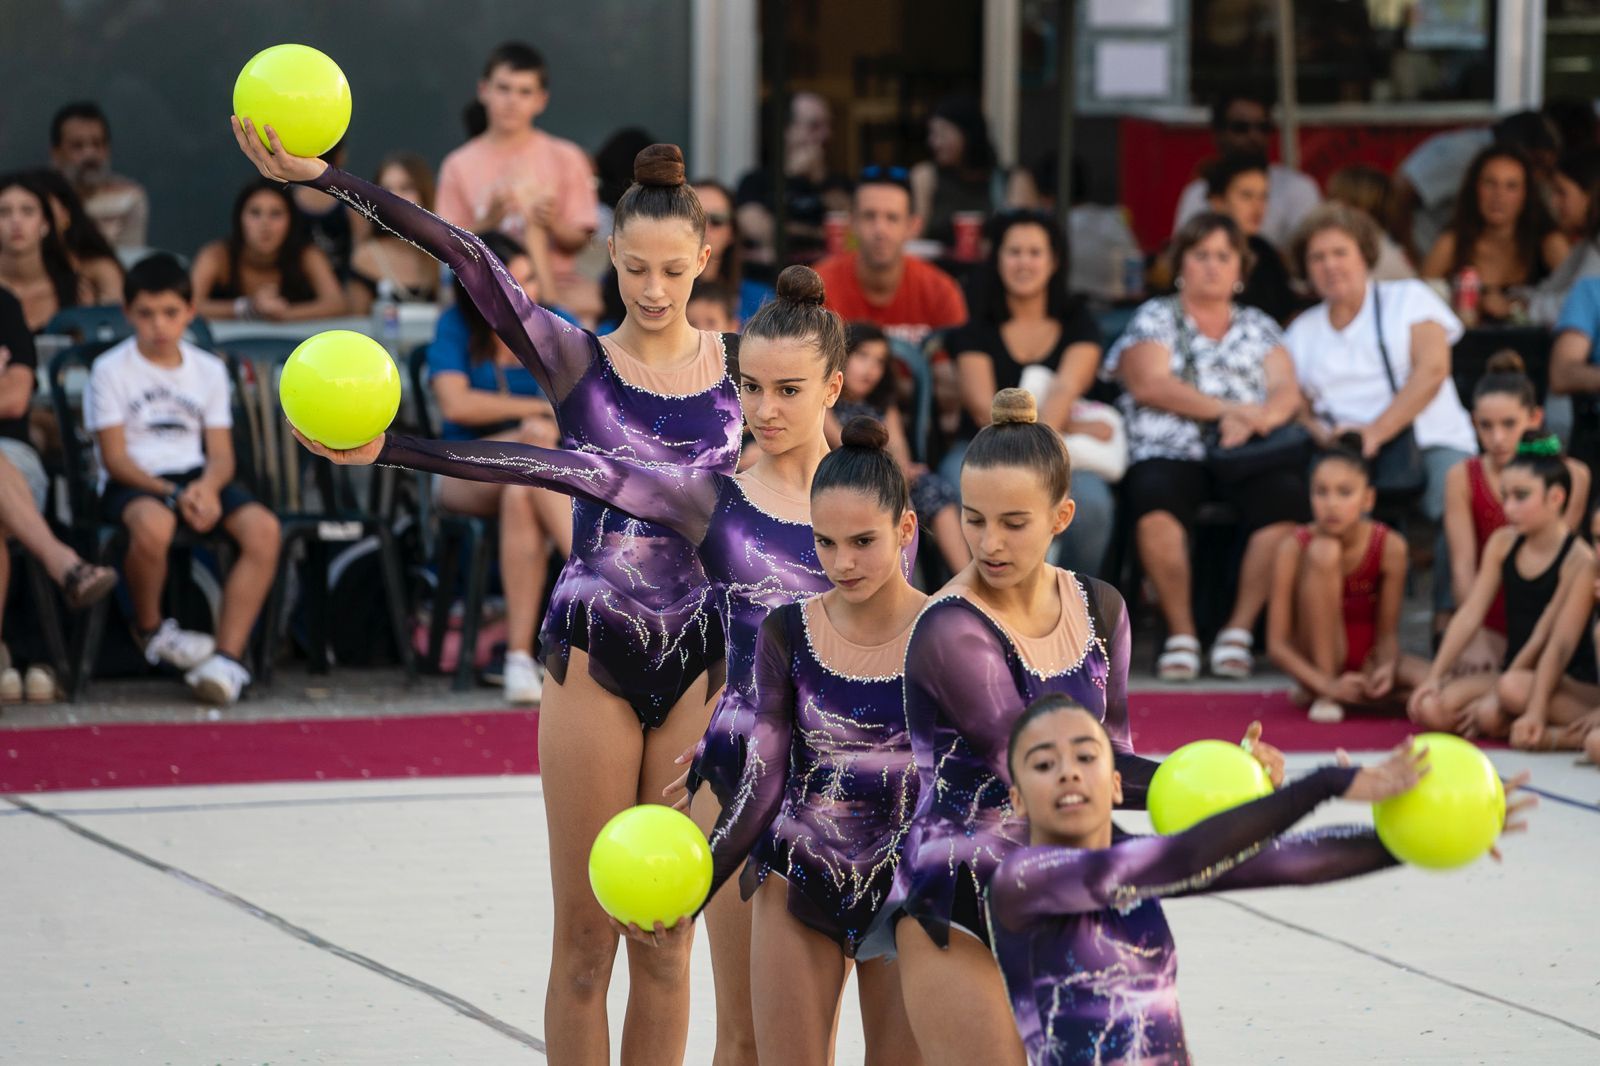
<point>1013,406</point>
<point>1351,442</point>
<point>659,165</point>
<point>1505,361</point>
<point>863,431</point>
<point>801,285</point>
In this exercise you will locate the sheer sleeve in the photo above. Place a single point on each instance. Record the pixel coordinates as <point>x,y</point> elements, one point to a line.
<point>682,498</point>
<point>766,767</point>
<point>956,666</point>
<point>1040,882</point>
<point>555,352</point>
<point>1330,854</point>
<point>1110,616</point>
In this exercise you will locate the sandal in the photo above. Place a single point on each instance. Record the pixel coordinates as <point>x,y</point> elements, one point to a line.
<point>1230,654</point>
<point>86,584</point>
<point>1180,659</point>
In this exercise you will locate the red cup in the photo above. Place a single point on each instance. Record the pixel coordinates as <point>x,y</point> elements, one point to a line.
<point>835,230</point>
<point>968,227</point>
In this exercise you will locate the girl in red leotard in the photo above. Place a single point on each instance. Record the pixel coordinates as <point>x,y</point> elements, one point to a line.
<point>1504,406</point>
<point>1343,565</point>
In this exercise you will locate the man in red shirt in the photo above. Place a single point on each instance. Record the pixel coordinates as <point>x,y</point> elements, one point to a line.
<point>879,283</point>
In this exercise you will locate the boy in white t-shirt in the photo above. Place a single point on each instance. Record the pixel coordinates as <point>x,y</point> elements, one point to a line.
<point>162,421</point>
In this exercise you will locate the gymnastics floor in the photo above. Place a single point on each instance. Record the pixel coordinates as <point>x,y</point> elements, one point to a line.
<point>405,920</point>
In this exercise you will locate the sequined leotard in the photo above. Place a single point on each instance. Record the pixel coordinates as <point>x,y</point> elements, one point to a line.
<point>633,595</point>
<point>829,781</point>
<point>1083,944</point>
<point>967,679</point>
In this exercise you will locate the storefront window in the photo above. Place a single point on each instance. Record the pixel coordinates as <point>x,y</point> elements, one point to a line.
<point>1572,49</point>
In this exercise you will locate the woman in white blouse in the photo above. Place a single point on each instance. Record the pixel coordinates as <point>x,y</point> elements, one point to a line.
<point>1340,348</point>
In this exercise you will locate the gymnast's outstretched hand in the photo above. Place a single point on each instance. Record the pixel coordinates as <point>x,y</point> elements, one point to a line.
<point>364,455</point>
<point>276,164</point>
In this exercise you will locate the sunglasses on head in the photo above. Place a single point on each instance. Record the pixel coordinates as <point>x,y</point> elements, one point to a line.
<point>877,173</point>
<point>1242,126</point>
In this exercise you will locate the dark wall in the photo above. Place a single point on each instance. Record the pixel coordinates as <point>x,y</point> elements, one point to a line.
<point>163,70</point>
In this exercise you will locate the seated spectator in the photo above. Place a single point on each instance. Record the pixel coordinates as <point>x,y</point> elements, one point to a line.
<point>1502,230</point>
<point>90,254</point>
<point>810,189</point>
<point>1576,202</point>
<point>512,174</point>
<point>711,306</point>
<point>964,174</point>
<point>332,226</point>
<point>1190,362</point>
<point>412,274</point>
<point>1374,357</point>
<point>484,392</point>
<point>727,252</point>
<point>613,169</point>
<point>869,389</point>
<point>162,418</point>
<point>23,487</point>
<point>34,264</point>
<point>1236,186</point>
<point>1027,332</point>
<point>1575,370</point>
<point>1367,189</point>
<point>267,268</point>
<point>80,148</point>
<point>1240,123</point>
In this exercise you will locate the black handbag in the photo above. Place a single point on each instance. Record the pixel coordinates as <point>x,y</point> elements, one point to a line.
<point>1398,469</point>
<point>1287,446</point>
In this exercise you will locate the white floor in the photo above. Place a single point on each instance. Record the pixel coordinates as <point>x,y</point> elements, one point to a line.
<point>407,922</point>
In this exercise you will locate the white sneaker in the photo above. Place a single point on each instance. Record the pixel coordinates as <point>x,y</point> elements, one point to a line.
<point>181,648</point>
<point>39,685</point>
<point>524,681</point>
<point>1325,711</point>
<point>10,686</point>
<point>218,680</point>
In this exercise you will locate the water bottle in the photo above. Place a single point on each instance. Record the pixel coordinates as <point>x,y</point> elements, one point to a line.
<point>386,316</point>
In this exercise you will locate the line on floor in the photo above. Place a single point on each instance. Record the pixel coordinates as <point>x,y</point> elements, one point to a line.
<point>1570,801</point>
<point>283,925</point>
<point>1405,967</point>
<point>244,805</point>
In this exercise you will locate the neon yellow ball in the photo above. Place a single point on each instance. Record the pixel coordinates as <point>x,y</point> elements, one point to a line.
<point>650,864</point>
<point>340,388</point>
<point>1453,816</point>
<point>1201,779</point>
<point>299,92</point>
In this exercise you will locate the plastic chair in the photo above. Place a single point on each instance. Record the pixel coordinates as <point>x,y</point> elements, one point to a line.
<point>106,322</point>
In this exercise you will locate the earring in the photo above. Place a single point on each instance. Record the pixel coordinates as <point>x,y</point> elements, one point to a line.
<point>1179,282</point>
<point>1238,287</point>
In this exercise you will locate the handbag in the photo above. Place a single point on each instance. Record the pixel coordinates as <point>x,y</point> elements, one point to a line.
<point>1289,445</point>
<point>1398,469</point>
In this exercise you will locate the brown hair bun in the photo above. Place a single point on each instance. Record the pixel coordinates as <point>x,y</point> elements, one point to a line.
<point>1505,361</point>
<point>801,285</point>
<point>659,165</point>
<point>864,431</point>
<point>1013,406</point>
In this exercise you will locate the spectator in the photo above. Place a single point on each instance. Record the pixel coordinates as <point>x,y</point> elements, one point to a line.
<point>160,412</point>
<point>964,174</point>
<point>412,274</point>
<point>268,267</point>
<point>878,282</point>
<point>90,254</point>
<point>1367,189</point>
<point>1027,332</point>
<point>1374,357</point>
<point>330,224</point>
<point>613,165</point>
<point>869,390</point>
<point>811,190</point>
<point>1575,370</point>
<point>23,486</point>
<point>34,264</point>
<point>1572,189</point>
<point>484,392</point>
<point>712,306</point>
<point>80,148</point>
<point>1576,202</point>
<point>1427,180</point>
<point>1236,186</point>
<point>513,174</point>
<point>1242,123</point>
<point>1189,361</point>
<point>727,252</point>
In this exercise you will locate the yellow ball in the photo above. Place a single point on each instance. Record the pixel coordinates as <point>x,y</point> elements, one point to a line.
<point>650,864</point>
<point>300,92</point>
<point>340,388</point>
<point>1453,816</point>
<point>1202,779</point>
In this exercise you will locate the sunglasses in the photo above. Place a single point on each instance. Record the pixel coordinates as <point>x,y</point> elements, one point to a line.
<point>877,173</point>
<point>717,219</point>
<point>1239,126</point>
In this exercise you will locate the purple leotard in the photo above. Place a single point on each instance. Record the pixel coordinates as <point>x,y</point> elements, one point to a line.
<point>1083,944</point>
<point>633,595</point>
<point>829,783</point>
<point>966,683</point>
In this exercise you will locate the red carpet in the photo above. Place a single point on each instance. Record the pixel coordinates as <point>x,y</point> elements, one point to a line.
<point>505,742</point>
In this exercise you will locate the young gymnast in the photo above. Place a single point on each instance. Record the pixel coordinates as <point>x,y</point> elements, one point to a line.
<point>1548,577</point>
<point>1006,630</point>
<point>1347,565</point>
<point>632,629</point>
<point>1504,407</point>
<point>1076,918</point>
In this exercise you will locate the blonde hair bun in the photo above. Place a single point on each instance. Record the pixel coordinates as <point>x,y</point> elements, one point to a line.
<point>1013,406</point>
